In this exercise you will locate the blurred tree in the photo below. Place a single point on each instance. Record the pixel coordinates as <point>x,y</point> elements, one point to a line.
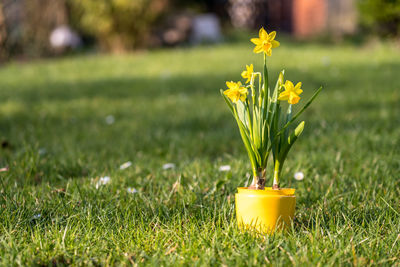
<point>117,25</point>
<point>40,18</point>
<point>380,17</point>
<point>248,13</point>
<point>3,34</point>
<point>25,25</point>
<point>202,6</point>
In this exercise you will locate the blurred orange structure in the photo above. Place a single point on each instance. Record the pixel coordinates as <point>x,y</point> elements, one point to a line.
<point>304,18</point>
<point>309,17</point>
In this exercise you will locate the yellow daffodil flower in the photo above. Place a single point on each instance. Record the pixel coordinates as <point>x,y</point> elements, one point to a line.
<point>236,91</point>
<point>246,74</point>
<point>265,42</point>
<point>291,93</point>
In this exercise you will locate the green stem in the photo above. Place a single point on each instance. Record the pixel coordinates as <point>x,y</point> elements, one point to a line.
<point>259,87</point>
<point>277,174</point>
<point>266,88</point>
<point>253,95</point>
<point>247,106</point>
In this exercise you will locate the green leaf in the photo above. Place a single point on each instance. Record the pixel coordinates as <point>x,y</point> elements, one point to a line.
<point>275,141</point>
<point>300,111</point>
<point>228,102</point>
<point>247,143</point>
<point>241,111</point>
<point>288,118</point>
<point>290,141</point>
<point>243,133</point>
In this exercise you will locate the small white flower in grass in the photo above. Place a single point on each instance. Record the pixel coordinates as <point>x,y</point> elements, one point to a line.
<point>125,165</point>
<point>110,119</point>
<point>325,60</point>
<point>37,216</point>
<point>4,169</point>
<point>165,75</point>
<point>299,176</point>
<point>42,151</point>
<point>131,190</point>
<point>168,166</point>
<point>103,181</point>
<point>224,168</point>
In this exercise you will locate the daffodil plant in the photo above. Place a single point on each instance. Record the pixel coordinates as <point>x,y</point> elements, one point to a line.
<point>264,129</point>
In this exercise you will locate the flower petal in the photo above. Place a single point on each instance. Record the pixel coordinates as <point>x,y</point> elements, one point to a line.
<point>275,44</point>
<point>263,34</point>
<point>251,68</point>
<point>289,85</point>
<point>298,91</point>
<point>297,88</point>
<point>230,84</point>
<point>256,41</point>
<point>272,35</point>
<point>258,49</point>
<point>243,91</point>
<point>284,95</point>
<point>227,92</point>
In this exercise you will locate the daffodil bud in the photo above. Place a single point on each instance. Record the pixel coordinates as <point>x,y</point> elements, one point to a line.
<point>299,129</point>
<point>280,79</point>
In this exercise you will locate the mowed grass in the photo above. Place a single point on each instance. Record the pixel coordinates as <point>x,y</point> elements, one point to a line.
<point>167,109</point>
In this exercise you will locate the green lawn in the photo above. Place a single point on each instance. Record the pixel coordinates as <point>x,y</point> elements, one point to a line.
<point>167,109</point>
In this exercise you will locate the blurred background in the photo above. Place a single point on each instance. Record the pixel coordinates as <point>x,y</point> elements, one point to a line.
<point>77,105</point>
<point>37,28</point>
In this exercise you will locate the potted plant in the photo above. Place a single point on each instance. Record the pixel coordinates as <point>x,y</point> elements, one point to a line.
<point>266,130</point>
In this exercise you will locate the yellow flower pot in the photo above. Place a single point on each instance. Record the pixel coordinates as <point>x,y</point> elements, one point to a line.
<point>265,210</point>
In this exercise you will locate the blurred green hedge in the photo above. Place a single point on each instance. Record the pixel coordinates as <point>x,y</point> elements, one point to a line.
<point>381,17</point>
<point>117,25</point>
